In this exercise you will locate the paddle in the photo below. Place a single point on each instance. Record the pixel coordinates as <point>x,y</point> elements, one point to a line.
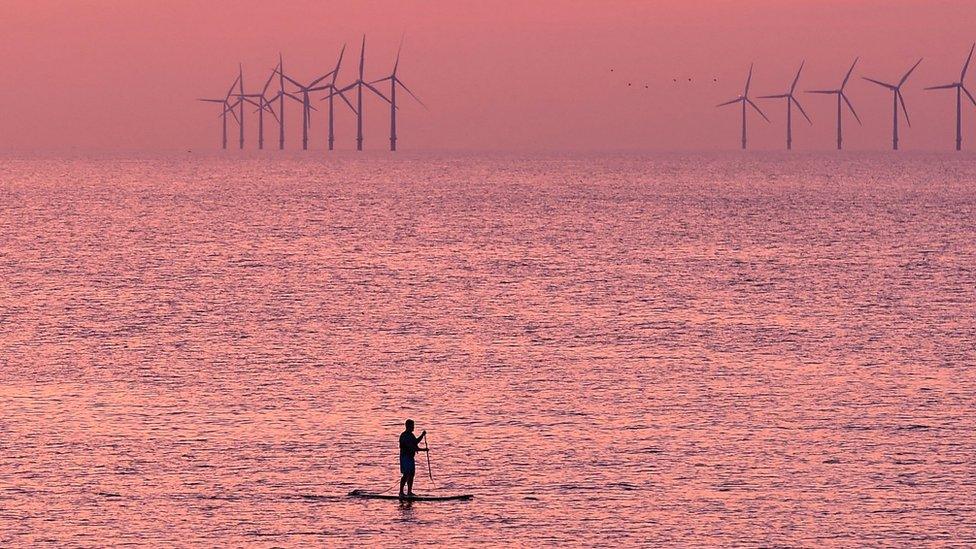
<point>427,447</point>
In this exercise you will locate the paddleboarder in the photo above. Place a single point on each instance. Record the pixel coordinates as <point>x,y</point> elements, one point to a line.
<point>409,446</point>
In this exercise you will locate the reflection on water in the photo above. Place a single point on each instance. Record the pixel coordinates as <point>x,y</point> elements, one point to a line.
<point>684,349</point>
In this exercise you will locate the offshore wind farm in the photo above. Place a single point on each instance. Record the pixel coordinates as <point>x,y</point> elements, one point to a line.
<point>572,273</point>
<point>321,88</point>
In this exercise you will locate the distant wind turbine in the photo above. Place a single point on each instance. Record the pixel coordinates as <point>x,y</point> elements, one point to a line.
<point>225,108</point>
<point>280,97</point>
<point>841,97</point>
<point>960,88</point>
<point>790,101</point>
<point>745,100</point>
<point>334,91</point>
<point>306,106</point>
<point>260,101</point>
<point>359,84</point>
<point>394,82</point>
<point>897,98</point>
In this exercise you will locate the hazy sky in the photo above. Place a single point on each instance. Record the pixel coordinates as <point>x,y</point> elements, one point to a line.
<point>497,74</point>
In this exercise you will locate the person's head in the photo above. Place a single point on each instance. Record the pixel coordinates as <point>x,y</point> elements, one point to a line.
<point>409,425</point>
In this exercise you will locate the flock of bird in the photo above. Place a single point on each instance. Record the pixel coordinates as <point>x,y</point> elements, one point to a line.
<point>898,100</point>
<point>289,88</point>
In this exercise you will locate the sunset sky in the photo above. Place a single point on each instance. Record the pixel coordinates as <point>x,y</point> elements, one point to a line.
<point>497,75</point>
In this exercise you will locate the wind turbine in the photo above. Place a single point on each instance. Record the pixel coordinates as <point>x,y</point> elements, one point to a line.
<point>960,87</point>
<point>841,98</point>
<point>261,103</point>
<point>306,106</point>
<point>359,84</point>
<point>334,91</point>
<point>897,97</point>
<point>394,82</point>
<point>226,107</point>
<point>280,97</point>
<point>745,100</point>
<point>790,101</point>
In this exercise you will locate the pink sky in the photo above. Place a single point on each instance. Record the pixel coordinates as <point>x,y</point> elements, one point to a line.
<point>510,75</point>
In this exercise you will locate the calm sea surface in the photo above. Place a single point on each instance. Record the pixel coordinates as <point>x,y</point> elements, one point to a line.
<point>687,350</point>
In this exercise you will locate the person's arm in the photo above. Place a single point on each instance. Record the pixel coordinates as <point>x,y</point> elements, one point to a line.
<point>421,437</point>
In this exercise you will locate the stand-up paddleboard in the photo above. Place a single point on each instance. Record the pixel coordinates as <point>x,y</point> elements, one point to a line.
<point>367,495</point>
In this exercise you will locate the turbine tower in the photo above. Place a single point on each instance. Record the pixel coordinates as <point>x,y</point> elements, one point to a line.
<point>841,99</point>
<point>333,91</point>
<point>790,101</point>
<point>359,84</point>
<point>226,107</point>
<point>394,82</point>
<point>897,98</point>
<point>960,87</point>
<point>745,100</point>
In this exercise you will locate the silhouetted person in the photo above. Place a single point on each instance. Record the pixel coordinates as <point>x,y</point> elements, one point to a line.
<point>409,446</point>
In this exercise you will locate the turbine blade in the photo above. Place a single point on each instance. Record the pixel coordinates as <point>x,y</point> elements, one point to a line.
<point>396,63</point>
<point>292,80</point>
<point>850,106</point>
<point>966,66</point>
<point>757,109</point>
<point>748,80</point>
<point>382,79</point>
<point>849,72</point>
<point>823,91</point>
<point>404,86</point>
<point>943,87</point>
<point>904,109</point>
<point>232,86</point>
<point>319,79</point>
<point>780,96</point>
<point>729,102</point>
<point>969,95</point>
<point>799,106</point>
<point>349,87</point>
<point>376,91</point>
<point>264,90</point>
<point>335,72</point>
<point>362,58</point>
<point>797,77</point>
<point>346,100</point>
<point>909,73</point>
<point>878,82</point>
<point>213,100</point>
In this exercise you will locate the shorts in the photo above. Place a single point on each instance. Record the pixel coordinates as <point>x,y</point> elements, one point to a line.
<point>407,465</point>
